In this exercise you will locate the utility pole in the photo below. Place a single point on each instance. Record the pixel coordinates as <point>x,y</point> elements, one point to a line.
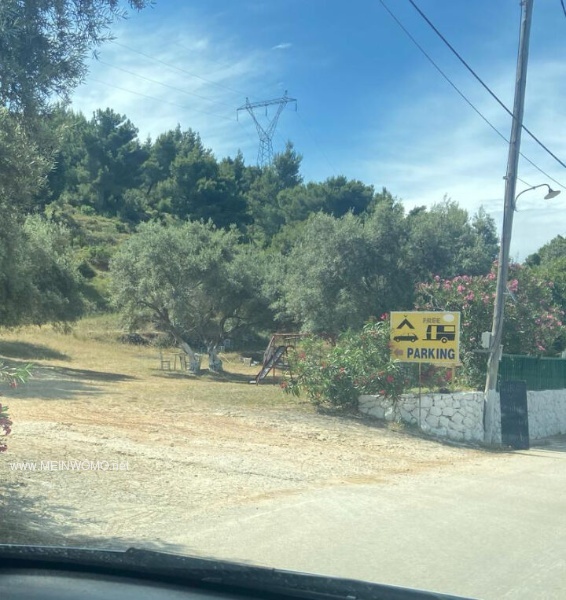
<point>265,152</point>
<point>508,210</point>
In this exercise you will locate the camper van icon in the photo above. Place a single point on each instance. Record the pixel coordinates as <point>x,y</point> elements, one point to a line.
<point>441,333</point>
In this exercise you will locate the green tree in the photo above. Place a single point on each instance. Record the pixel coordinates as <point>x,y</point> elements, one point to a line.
<point>192,280</point>
<point>342,195</point>
<point>549,263</point>
<point>112,163</point>
<point>263,197</point>
<point>44,47</point>
<point>331,279</point>
<point>183,178</point>
<point>22,167</point>
<point>442,241</point>
<point>39,278</point>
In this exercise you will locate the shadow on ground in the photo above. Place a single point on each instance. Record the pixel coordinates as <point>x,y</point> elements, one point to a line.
<point>27,351</point>
<point>204,375</point>
<point>28,521</point>
<point>63,383</point>
<point>53,389</point>
<point>227,377</point>
<point>91,375</point>
<point>556,443</point>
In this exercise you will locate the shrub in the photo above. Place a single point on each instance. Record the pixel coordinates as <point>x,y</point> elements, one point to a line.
<point>533,323</point>
<point>12,377</point>
<point>337,374</point>
<point>5,426</point>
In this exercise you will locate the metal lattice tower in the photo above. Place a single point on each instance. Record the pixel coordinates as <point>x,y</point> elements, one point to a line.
<point>265,133</point>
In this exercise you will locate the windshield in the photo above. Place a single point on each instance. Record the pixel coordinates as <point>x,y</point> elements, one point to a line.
<point>265,296</point>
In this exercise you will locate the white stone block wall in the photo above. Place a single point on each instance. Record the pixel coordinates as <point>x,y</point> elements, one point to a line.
<point>459,416</point>
<point>547,413</point>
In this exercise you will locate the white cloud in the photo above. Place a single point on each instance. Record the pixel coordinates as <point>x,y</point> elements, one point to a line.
<point>433,144</point>
<point>282,46</point>
<point>196,80</point>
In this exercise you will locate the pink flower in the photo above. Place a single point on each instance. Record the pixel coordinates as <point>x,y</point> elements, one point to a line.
<point>390,379</point>
<point>460,288</point>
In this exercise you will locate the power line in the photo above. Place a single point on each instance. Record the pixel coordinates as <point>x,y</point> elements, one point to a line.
<point>460,93</point>
<point>321,150</point>
<point>480,80</point>
<point>180,70</point>
<point>171,66</point>
<point>161,101</point>
<point>219,85</point>
<point>165,84</point>
<point>250,136</point>
<point>563,7</point>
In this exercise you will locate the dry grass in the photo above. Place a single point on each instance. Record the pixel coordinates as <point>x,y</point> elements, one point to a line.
<point>89,365</point>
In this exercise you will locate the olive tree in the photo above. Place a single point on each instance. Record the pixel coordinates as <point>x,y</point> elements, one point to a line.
<point>191,280</point>
<point>39,278</point>
<point>44,46</point>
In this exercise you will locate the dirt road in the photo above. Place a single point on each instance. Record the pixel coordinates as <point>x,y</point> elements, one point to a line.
<point>187,449</point>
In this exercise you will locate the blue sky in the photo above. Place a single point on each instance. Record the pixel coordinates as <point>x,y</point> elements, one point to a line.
<point>370,106</point>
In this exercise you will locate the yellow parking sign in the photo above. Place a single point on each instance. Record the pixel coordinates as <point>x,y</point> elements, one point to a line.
<point>429,337</point>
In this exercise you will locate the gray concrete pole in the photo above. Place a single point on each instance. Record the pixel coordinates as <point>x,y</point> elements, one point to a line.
<point>509,208</point>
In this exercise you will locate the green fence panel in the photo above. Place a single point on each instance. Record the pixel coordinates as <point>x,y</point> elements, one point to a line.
<point>540,373</point>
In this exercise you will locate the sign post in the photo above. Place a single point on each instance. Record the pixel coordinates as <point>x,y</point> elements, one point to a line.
<point>426,337</point>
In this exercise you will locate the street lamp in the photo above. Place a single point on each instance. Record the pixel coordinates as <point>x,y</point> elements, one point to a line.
<point>499,307</point>
<point>551,193</point>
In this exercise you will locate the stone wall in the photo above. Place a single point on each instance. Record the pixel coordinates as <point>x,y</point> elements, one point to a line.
<point>459,416</point>
<point>547,413</point>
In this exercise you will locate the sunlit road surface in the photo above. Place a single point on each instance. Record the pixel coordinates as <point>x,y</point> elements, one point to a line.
<point>494,531</point>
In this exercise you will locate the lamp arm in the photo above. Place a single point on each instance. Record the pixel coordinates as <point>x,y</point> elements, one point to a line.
<point>534,187</point>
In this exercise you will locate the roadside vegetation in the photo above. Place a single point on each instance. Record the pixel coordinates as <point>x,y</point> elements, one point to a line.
<point>200,249</point>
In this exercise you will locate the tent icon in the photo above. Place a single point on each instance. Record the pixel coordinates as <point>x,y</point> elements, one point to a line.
<point>405,323</point>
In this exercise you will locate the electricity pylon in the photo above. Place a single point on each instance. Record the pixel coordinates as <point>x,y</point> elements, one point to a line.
<point>265,133</point>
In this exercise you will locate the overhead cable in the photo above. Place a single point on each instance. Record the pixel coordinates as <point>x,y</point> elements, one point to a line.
<point>460,93</point>
<point>485,86</point>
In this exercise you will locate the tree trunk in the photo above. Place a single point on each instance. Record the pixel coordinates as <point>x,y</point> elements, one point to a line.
<point>194,361</point>
<point>214,363</point>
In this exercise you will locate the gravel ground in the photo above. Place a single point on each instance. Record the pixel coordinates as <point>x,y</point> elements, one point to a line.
<point>182,466</point>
